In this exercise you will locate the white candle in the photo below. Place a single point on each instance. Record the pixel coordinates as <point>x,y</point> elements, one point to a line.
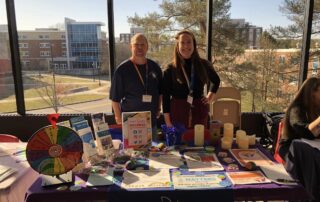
<point>226,143</point>
<point>228,130</point>
<point>198,135</point>
<point>252,139</point>
<point>240,133</point>
<point>243,142</point>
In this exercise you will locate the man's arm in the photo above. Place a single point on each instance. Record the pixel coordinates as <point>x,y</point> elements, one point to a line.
<point>117,112</point>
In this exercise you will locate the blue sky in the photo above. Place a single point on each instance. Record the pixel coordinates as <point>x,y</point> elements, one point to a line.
<point>32,14</point>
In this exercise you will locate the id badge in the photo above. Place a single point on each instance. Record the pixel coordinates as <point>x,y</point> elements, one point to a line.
<point>146,98</point>
<point>190,99</point>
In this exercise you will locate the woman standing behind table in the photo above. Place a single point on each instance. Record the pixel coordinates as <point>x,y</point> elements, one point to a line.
<point>184,79</point>
<point>302,119</point>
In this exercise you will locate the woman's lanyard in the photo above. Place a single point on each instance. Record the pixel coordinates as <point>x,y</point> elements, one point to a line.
<point>190,82</point>
<point>145,97</point>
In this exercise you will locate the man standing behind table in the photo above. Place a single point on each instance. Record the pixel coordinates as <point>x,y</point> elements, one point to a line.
<point>136,85</point>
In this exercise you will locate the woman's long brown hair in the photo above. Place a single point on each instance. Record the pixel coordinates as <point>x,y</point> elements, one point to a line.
<point>198,63</point>
<point>304,99</point>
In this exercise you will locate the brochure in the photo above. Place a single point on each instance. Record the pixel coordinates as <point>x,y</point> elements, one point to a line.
<point>183,179</point>
<point>243,156</point>
<point>202,161</point>
<point>97,120</point>
<point>79,123</point>
<point>247,177</point>
<point>89,147</point>
<point>144,179</point>
<point>136,129</point>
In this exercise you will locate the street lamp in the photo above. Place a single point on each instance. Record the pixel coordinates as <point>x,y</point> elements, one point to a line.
<point>93,76</point>
<point>54,93</point>
<point>99,75</point>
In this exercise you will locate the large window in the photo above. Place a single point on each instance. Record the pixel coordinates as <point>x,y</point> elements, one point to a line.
<point>256,50</point>
<point>256,47</point>
<point>65,65</point>
<point>7,95</point>
<point>314,57</point>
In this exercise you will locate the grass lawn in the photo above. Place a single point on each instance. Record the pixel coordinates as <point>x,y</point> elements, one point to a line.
<point>39,104</point>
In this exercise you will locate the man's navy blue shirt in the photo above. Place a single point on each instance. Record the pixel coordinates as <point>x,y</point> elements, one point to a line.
<point>127,88</point>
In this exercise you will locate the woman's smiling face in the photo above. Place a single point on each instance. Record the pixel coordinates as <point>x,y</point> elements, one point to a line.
<point>186,46</point>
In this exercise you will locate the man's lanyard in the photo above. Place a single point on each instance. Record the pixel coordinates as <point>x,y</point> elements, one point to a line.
<point>189,83</point>
<point>140,77</point>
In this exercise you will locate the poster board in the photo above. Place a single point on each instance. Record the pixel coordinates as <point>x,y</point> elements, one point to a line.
<point>136,129</point>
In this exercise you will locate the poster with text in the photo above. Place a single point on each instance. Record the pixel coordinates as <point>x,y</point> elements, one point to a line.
<point>137,129</point>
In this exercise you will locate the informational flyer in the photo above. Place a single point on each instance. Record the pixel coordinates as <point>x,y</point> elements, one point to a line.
<point>146,179</point>
<point>202,161</point>
<point>137,129</point>
<point>243,156</point>
<point>165,160</point>
<point>89,146</point>
<point>183,179</point>
<point>247,177</point>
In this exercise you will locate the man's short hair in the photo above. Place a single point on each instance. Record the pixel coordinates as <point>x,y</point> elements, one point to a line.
<point>138,35</point>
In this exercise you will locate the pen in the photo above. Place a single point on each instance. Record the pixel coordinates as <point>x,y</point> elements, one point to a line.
<point>286,181</point>
<point>18,152</point>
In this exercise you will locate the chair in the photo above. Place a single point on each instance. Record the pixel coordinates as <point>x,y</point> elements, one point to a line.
<point>227,106</point>
<point>276,155</point>
<point>8,138</point>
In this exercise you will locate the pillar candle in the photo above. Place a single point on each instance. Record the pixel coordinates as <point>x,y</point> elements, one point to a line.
<point>228,130</point>
<point>240,133</point>
<point>252,139</point>
<point>243,142</point>
<point>226,143</point>
<point>198,135</point>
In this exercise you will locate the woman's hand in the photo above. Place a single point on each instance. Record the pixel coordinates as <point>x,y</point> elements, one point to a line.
<point>314,127</point>
<point>209,98</point>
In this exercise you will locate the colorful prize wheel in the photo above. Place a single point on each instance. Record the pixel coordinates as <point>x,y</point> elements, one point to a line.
<point>54,150</point>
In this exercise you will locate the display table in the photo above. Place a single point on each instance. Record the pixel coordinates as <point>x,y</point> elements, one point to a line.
<point>264,192</point>
<point>14,187</point>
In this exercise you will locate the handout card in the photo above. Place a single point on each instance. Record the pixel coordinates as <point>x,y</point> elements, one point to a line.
<point>183,179</point>
<point>146,179</point>
<point>202,161</point>
<point>247,177</point>
<point>165,160</point>
<point>243,156</point>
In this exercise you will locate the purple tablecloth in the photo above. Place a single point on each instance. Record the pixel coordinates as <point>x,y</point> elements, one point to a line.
<point>264,192</point>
